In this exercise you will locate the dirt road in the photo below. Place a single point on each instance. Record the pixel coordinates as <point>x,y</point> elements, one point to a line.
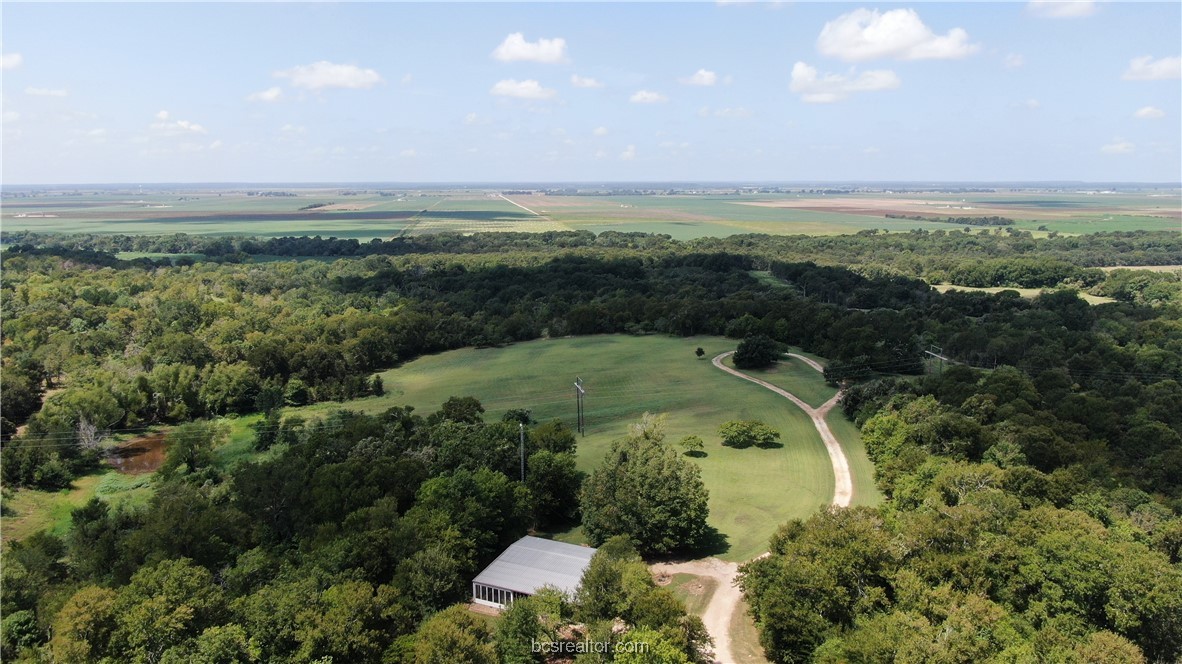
<point>843,486</point>
<point>725,601</point>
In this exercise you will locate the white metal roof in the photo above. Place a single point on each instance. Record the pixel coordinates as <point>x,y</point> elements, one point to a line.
<point>532,562</point>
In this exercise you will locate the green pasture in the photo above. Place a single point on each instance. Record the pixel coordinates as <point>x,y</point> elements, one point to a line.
<point>795,376</point>
<point>752,491</point>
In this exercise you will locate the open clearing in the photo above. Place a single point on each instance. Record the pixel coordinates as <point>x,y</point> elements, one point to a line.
<point>1024,292</point>
<point>752,491</point>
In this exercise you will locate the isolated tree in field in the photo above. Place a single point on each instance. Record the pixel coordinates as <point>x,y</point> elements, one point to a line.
<point>740,433</point>
<point>700,352</point>
<point>756,351</point>
<point>647,492</point>
<point>692,445</point>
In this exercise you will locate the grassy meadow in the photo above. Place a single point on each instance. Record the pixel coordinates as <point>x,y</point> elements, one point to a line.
<point>752,491</point>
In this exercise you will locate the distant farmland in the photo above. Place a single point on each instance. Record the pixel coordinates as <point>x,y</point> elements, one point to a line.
<point>330,212</point>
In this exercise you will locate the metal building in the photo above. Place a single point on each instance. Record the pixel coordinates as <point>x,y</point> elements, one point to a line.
<point>527,565</point>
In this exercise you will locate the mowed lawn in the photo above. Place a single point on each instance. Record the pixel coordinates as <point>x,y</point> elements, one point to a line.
<point>752,491</point>
<point>794,375</point>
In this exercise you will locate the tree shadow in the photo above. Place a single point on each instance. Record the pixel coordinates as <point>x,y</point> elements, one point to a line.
<point>774,445</point>
<point>713,543</point>
<point>697,454</point>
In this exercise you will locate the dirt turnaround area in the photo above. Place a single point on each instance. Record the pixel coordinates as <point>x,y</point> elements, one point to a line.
<point>727,597</point>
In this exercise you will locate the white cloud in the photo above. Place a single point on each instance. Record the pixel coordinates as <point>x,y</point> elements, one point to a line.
<point>835,87</point>
<point>11,116</point>
<point>865,34</point>
<point>1061,8</point>
<point>409,152</point>
<point>647,97</point>
<point>700,77</point>
<point>1030,104</point>
<point>175,128</point>
<point>629,153</point>
<point>97,133</point>
<point>216,144</point>
<point>1118,146</point>
<point>736,112</point>
<point>293,129</point>
<point>407,79</point>
<point>1149,113</point>
<point>584,81</point>
<point>1145,68</point>
<point>268,95</point>
<point>11,61</point>
<point>46,92</point>
<point>600,131</point>
<point>515,49</point>
<point>325,74</point>
<point>1014,60</point>
<point>527,89</point>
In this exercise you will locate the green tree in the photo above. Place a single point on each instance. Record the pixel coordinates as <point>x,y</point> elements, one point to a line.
<point>192,445</point>
<point>648,493</point>
<point>520,627</point>
<point>755,352</point>
<point>455,635</point>
<point>693,445</point>
<point>464,410</point>
<point>553,481</point>
<point>230,388</point>
<point>553,436</point>
<point>648,646</point>
<point>163,605</point>
<point>741,434</point>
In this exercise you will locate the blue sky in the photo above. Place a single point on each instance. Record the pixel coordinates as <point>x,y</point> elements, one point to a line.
<point>178,92</point>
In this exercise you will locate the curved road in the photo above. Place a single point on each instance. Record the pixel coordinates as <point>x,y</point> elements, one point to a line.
<point>725,600</point>
<point>843,485</point>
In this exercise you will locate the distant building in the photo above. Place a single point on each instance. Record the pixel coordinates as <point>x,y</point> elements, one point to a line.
<point>527,565</point>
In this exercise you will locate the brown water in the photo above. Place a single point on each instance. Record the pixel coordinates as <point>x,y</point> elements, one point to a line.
<point>139,455</point>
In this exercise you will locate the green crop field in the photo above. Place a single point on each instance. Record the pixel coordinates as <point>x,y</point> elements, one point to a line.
<point>369,214</point>
<point>752,491</point>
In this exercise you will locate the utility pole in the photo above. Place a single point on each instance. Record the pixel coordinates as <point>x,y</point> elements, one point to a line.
<point>521,447</point>
<point>579,394</point>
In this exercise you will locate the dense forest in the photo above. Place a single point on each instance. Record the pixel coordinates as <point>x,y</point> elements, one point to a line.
<point>987,257</point>
<point>1034,476</point>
